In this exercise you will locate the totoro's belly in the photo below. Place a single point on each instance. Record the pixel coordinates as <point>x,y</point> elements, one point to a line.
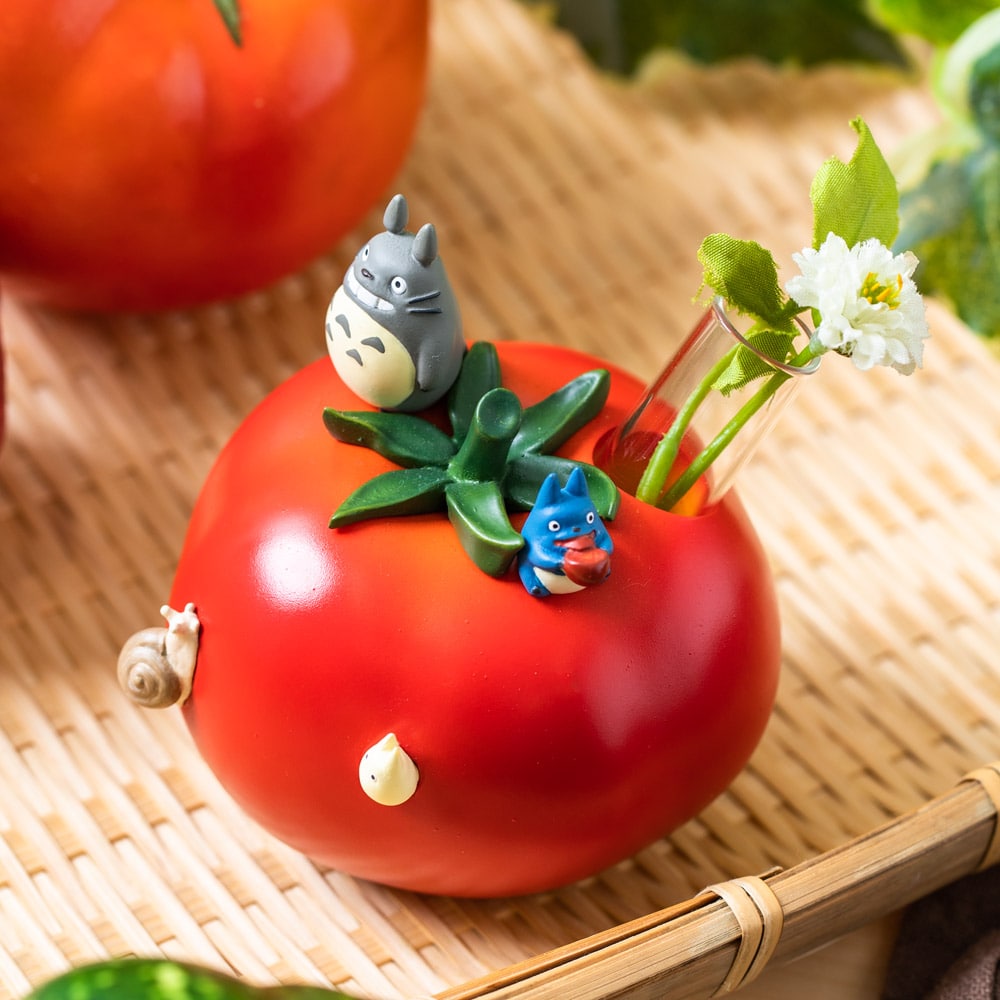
<point>372,361</point>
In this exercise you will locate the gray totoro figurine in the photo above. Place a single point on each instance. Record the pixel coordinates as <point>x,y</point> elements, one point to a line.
<point>393,327</point>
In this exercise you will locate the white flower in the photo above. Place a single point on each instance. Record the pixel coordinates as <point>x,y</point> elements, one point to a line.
<point>869,307</point>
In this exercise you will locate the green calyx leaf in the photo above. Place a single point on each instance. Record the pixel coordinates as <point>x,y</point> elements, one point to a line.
<point>231,17</point>
<point>527,473</point>
<point>399,491</point>
<point>400,437</point>
<point>479,373</point>
<point>746,276</point>
<point>857,200</point>
<point>552,422</point>
<point>479,515</point>
<point>497,456</point>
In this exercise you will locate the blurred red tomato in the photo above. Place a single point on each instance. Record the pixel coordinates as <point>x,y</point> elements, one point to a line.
<point>3,394</point>
<point>148,162</point>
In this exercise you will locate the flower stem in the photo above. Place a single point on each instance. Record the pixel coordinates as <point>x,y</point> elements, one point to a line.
<point>654,477</point>
<point>718,444</point>
<point>714,449</point>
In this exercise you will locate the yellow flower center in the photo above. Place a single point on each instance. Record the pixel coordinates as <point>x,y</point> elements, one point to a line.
<point>875,292</point>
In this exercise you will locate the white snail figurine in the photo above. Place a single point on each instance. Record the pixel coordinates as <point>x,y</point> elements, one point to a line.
<point>387,773</point>
<point>156,665</point>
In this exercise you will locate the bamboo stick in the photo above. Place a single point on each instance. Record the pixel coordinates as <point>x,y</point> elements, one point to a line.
<point>685,952</point>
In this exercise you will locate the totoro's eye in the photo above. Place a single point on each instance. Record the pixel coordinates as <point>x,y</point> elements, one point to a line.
<point>554,525</point>
<point>398,285</point>
<point>591,517</point>
<point>365,252</point>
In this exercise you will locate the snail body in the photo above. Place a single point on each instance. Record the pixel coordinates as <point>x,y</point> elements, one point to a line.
<point>156,665</point>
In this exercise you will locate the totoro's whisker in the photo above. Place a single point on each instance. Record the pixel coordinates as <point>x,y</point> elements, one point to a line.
<point>425,309</point>
<point>433,294</point>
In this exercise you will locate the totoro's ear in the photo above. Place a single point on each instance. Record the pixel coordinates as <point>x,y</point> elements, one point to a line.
<point>425,245</point>
<point>396,215</point>
<point>577,483</point>
<point>548,492</point>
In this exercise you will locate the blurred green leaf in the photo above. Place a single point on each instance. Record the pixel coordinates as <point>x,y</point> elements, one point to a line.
<point>618,34</point>
<point>939,21</point>
<point>984,94</point>
<point>964,76</point>
<point>951,220</point>
<point>950,214</point>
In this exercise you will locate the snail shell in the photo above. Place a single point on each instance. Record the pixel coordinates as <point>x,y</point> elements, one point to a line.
<point>156,665</point>
<point>144,673</point>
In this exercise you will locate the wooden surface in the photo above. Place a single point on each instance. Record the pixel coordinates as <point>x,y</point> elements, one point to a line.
<point>569,209</point>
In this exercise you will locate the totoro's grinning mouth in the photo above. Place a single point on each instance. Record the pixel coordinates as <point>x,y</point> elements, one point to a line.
<point>363,295</point>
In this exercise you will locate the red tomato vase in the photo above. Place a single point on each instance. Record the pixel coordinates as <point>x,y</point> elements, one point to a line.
<point>551,737</point>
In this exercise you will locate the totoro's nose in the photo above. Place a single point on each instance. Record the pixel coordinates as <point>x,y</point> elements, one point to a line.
<point>365,273</point>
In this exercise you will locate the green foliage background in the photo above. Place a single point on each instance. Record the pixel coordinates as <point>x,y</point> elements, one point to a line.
<point>950,210</point>
<point>619,34</point>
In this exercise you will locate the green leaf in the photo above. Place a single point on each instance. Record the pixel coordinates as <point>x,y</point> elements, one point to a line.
<point>620,34</point>
<point>939,21</point>
<point>746,276</point>
<point>478,514</point>
<point>949,215</point>
<point>402,438</point>
<point>954,75</point>
<point>397,492</point>
<point>480,372</point>
<point>551,422</point>
<point>230,11</point>
<point>527,473</point>
<point>984,87</point>
<point>857,200</point>
<point>747,365</point>
<point>952,222</point>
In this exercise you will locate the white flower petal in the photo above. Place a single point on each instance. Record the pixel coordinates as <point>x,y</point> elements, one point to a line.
<point>868,304</point>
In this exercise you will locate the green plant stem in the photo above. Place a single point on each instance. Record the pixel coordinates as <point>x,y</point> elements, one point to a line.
<point>714,449</point>
<point>654,477</point>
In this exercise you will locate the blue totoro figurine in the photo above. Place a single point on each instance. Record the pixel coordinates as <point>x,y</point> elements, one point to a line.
<point>393,327</point>
<point>566,545</point>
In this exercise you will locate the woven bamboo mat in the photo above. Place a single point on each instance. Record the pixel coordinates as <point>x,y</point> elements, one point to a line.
<point>569,210</point>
